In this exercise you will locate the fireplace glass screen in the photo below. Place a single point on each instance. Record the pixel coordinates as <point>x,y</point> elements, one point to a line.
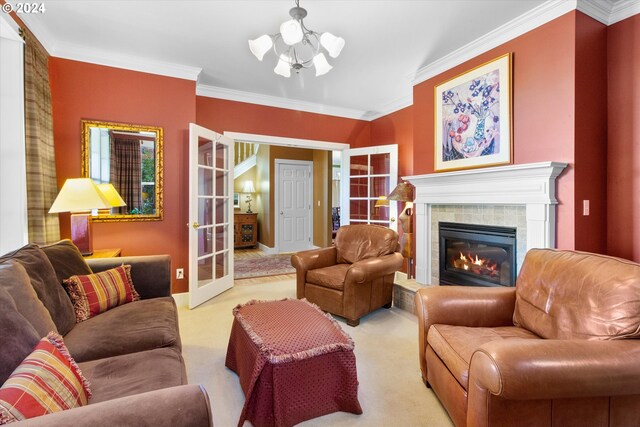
<point>477,255</point>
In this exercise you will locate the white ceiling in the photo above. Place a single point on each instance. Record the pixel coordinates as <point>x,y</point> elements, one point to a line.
<point>387,42</point>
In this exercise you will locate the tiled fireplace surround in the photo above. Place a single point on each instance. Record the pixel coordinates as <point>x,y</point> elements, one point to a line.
<point>521,196</point>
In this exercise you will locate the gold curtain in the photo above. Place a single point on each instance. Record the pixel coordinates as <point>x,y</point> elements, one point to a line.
<point>41,163</point>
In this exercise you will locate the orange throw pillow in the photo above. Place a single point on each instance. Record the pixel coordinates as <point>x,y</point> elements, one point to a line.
<point>48,380</point>
<point>93,294</point>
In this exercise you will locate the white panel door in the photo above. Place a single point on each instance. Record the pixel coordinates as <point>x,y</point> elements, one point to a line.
<point>210,214</point>
<point>368,176</point>
<point>292,199</point>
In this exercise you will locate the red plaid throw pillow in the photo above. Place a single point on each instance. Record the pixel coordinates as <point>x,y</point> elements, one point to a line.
<point>47,381</point>
<point>96,293</point>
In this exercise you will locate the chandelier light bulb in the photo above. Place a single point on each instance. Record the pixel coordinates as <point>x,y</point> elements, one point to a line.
<point>332,43</point>
<point>283,68</point>
<point>291,32</point>
<point>322,66</point>
<point>260,46</point>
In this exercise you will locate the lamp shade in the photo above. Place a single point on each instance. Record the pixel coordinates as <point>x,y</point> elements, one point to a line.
<point>283,68</point>
<point>332,43</point>
<point>402,193</point>
<point>248,187</point>
<point>79,194</point>
<point>381,202</point>
<point>322,66</point>
<point>260,46</point>
<point>112,195</point>
<point>291,31</point>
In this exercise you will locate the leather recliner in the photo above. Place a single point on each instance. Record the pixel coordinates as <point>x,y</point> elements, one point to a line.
<point>353,277</point>
<point>559,349</point>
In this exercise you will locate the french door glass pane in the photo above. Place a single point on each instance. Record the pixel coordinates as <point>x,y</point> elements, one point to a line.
<point>205,211</point>
<point>379,186</point>
<point>205,271</point>
<point>380,164</point>
<point>359,165</point>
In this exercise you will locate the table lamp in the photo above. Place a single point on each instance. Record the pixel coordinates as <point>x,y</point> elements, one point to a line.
<point>404,193</point>
<point>112,195</point>
<point>249,189</point>
<point>79,196</point>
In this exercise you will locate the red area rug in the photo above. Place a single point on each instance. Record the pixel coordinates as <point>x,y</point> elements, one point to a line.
<point>270,265</point>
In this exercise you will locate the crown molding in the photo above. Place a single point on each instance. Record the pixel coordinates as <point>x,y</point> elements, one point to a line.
<point>393,106</point>
<point>600,10</point>
<point>624,9</point>
<point>128,62</point>
<point>9,29</point>
<point>275,101</point>
<point>524,23</point>
<point>109,59</point>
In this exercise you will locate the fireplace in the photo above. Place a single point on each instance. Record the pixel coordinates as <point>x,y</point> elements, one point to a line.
<point>477,255</point>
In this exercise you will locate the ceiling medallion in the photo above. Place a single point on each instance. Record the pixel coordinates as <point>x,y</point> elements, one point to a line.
<point>298,47</point>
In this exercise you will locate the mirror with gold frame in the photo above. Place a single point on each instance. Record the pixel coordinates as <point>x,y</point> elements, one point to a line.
<point>129,157</point>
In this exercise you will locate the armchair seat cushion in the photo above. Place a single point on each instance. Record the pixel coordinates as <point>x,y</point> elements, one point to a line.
<point>456,344</point>
<point>329,277</point>
<point>137,326</point>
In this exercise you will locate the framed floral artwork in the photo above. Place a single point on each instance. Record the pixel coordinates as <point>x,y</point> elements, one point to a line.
<point>473,118</point>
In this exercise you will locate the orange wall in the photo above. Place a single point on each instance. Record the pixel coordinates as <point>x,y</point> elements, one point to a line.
<point>623,186</point>
<point>87,91</point>
<point>591,134</point>
<point>221,115</point>
<point>543,108</point>
<point>396,128</point>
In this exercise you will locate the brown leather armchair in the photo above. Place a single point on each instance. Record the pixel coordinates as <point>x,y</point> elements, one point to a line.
<point>355,276</point>
<point>559,349</point>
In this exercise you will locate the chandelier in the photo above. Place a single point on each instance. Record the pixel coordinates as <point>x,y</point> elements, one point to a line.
<point>298,47</point>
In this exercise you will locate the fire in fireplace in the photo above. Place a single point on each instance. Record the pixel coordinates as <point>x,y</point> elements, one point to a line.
<point>477,255</point>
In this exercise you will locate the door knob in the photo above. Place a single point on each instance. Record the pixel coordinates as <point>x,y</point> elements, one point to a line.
<point>392,219</point>
<point>281,213</point>
<point>195,225</point>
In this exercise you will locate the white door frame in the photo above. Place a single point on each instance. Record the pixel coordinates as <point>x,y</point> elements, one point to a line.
<point>276,199</point>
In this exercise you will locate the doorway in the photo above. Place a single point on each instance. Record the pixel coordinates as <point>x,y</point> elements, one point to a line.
<point>294,220</point>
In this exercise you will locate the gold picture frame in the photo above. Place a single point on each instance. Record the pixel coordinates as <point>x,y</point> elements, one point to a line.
<point>473,120</point>
<point>89,129</point>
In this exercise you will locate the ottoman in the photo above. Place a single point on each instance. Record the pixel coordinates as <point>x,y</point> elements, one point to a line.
<point>294,363</point>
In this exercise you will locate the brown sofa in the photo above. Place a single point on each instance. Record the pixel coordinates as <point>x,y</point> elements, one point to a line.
<point>130,354</point>
<point>353,277</point>
<point>559,349</point>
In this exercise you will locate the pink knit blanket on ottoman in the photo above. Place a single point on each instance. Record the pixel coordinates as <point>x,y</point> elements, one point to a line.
<point>294,363</point>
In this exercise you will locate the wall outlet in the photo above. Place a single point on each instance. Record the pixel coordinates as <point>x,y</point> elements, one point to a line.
<point>585,207</point>
<point>179,273</point>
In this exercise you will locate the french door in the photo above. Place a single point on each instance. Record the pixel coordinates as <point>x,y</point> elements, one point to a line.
<point>368,176</point>
<point>210,214</point>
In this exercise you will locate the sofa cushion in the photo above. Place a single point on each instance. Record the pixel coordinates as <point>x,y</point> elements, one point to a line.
<point>456,344</point>
<point>356,242</point>
<point>15,280</point>
<point>577,295</point>
<point>17,336</point>
<point>66,259</point>
<point>329,277</point>
<point>138,326</point>
<point>93,294</point>
<point>135,373</point>
<point>47,381</point>
<point>44,281</point>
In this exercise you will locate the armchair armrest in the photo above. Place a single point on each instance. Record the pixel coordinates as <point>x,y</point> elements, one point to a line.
<point>181,406</point>
<point>556,369</point>
<point>367,269</point>
<point>462,306</point>
<point>151,275</point>
<point>310,260</point>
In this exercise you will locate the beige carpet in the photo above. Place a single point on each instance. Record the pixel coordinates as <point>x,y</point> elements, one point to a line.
<point>391,392</point>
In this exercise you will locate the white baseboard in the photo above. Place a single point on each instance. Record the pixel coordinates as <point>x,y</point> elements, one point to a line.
<point>182,299</point>
<point>266,249</point>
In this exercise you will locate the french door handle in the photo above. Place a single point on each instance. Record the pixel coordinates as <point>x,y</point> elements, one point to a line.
<point>392,219</point>
<point>195,225</point>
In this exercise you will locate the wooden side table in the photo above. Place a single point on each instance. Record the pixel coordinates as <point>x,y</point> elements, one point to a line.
<point>245,227</point>
<point>105,253</point>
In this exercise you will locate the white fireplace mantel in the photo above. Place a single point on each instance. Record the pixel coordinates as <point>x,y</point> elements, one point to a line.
<point>532,185</point>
